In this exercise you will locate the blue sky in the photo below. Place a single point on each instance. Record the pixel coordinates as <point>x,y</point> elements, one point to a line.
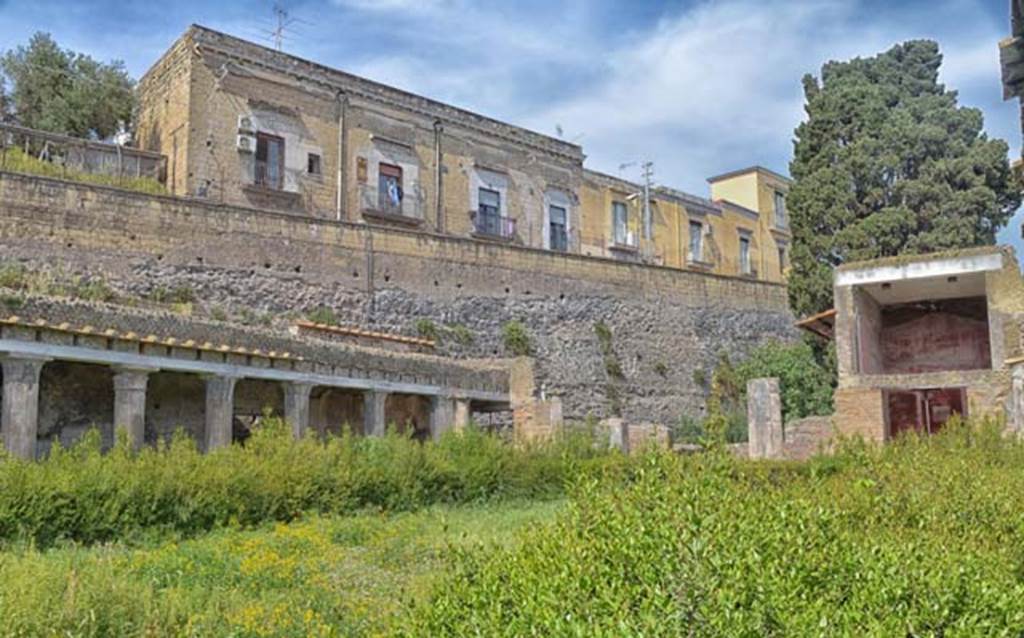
<point>697,87</point>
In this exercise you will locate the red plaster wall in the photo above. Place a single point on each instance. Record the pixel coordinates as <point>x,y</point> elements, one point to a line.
<point>936,342</point>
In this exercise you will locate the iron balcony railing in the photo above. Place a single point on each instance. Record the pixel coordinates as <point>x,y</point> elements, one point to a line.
<point>268,176</point>
<point>492,224</point>
<point>375,204</point>
<point>32,151</point>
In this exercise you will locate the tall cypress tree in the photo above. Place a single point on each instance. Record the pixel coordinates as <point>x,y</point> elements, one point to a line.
<point>887,163</point>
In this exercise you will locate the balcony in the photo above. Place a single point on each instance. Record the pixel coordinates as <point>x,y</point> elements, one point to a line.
<point>491,225</point>
<point>377,207</point>
<point>625,240</point>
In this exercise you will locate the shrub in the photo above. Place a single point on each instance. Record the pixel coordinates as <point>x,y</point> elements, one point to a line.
<point>324,315</point>
<point>462,335</point>
<point>516,338</point>
<point>83,495</point>
<point>805,386</point>
<point>427,329</point>
<point>857,544</point>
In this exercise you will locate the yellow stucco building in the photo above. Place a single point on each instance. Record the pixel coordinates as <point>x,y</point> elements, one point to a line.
<point>246,125</point>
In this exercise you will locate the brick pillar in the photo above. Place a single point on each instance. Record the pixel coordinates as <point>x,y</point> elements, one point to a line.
<point>463,413</point>
<point>764,419</point>
<point>442,415</point>
<point>20,417</point>
<point>220,411</point>
<point>1016,416</point>
<point>296,407</point>
<point>374,419</point>
<point>130,403</point>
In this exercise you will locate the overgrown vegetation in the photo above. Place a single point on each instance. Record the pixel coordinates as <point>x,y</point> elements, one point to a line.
<point>858,544</point>
<point>461,334</point>
<point>516,338</point>
<point>17,277</point>
<point>81,495</point>
<point>321,576</point>
<point>15,160</point>
<point>427,329</point>
<point>323,315</point>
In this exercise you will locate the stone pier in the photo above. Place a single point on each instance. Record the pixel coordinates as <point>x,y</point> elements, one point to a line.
<point>20,417</point>
<point>463,414</point>
<point>130,403</point>
<point>442,415</point>
<point>296,407</point>
<point>374,417</point>
<point>220,402</point>
<point>764,419</point>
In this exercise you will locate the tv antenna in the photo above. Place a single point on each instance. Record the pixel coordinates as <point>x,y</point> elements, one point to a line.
<point>281,24</point>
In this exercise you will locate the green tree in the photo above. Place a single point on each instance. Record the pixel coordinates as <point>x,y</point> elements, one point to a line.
<point>887,163</point>
<point>59,90</point>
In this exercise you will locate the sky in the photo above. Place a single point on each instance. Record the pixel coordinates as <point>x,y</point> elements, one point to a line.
<point>699,87</point>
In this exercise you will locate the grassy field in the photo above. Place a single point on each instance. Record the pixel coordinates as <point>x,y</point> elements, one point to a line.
<point>322,576</point>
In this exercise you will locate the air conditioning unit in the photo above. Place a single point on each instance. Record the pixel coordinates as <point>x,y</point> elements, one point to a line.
<point>246,143</point>
<point>245,124</point>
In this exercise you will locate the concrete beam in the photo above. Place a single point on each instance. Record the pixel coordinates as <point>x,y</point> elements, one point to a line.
<point>16,348</point>
<point>130,402</point>
<point>296,407</point>
<point>20,417</point>
<point>921,269</point>
<point>374,417</point>
<point>220,411</point>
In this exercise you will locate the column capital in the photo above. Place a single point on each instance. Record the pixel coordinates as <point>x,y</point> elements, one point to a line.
<point>22,367</point>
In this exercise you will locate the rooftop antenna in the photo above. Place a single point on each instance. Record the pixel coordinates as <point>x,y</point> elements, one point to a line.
<point>282,26</point>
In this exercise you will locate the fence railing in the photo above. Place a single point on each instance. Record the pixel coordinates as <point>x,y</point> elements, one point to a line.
<point>55,155</point>
<point>408,208</point>
<point>491,224</point>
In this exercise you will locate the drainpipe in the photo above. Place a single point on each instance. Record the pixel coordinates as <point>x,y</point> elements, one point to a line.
<point>438,177</point>
<point>339,204</point>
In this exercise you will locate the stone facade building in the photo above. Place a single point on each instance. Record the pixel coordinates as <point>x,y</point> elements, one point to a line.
<point>246,125</point>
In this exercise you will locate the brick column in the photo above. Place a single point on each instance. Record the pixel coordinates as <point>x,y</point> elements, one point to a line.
<point>374,419</point>
<point>442,415</point>
<point>220,411</point>
<point>764,419</point>
<point>463,413</point>
<point>130,403</point>
<point>296,407</point>
<point>20,417</point>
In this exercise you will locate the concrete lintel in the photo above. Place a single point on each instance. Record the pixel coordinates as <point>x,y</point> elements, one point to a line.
<point>36,349</point>
<point>922,269</point>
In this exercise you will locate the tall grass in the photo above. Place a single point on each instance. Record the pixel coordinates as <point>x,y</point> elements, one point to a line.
<point>82,495</point>
<point>16,160</point>
<point>921,538</point>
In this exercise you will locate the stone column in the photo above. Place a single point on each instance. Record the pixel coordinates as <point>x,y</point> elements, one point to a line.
<point>220,411</point>
<point>20,417</point>
<point>130,403</point>
<point>442,415</point>
<point>374,419</point>
<point>296,407</point>
<point>463,413</point>
<point>764,419</point>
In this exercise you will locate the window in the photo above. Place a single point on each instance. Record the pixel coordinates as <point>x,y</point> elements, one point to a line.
<point>488,214</point>
<point>389,189</point>
<point>313,164</point>
<point>745,255</point>
<point>696,241</point>
<point>269,161</point>
<point>782,258</point>
<point>781,220</point>
<point>620,224</point>
<point>558,228</point>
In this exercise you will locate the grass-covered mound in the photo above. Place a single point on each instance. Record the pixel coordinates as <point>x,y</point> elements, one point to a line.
<point>919,538</point>
<point>82,495</point>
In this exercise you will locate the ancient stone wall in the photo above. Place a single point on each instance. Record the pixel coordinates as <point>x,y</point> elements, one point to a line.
<point>660,333</point>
